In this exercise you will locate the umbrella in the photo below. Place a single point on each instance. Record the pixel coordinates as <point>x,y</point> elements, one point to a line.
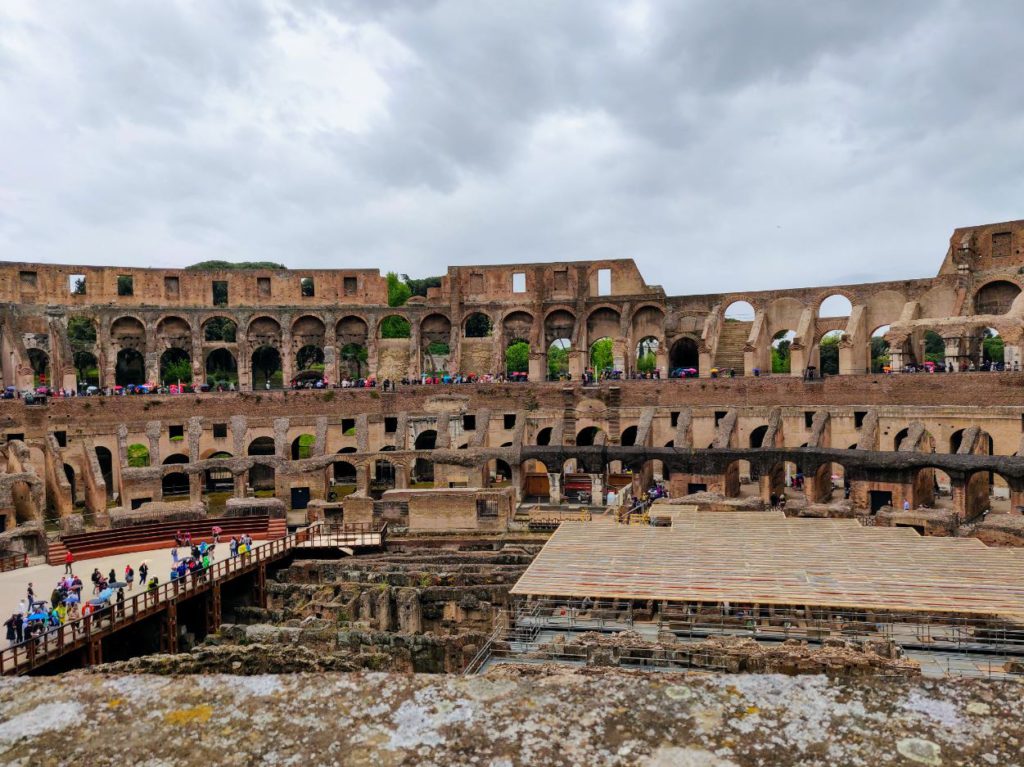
<point>104,595</point>
<point>98,602</point>
<point>39,617</point>
<point>117,585</point>
<point>72,598</point>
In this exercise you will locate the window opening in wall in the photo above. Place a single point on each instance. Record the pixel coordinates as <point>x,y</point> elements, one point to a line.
<point>469,423</point>
<point>308,287</point>
<point>76,284</point>
<point>220,431</point>
<point>263,287</point>
<point>348,427</point>
<point>349,286</point>
<point>519,282</point>
<point>61,437</point>
<point>561,281</point>
<point>27,280</point>
<point>176,431</point>
<point>1001,245</point>
<point>220,292</point>
<point>858,418</point>
<point>125,285</point>
<point>719,415</point>
<point>604,282</point>
<point>808,418</point>
<point>675,418</point>
<point>510,420</point>
<point>172,288</point>
<point>390,424</point>
<point>16,435</point>
<point>486,507</point>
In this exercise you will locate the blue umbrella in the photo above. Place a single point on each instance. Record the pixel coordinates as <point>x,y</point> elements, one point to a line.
<point>72,598</point>
<point>39,617</point>
<point>104,595</point>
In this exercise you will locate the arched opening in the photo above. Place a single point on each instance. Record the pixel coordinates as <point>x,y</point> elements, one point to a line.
<point>995,297</point>
<point>992,353</point>
<point>628,438</point>
<point>266,368</point>
<point>40,364</point>
<point>426,440</point>
<point>87,368</point>
<point>930,352</point>
<point>880,359</point>
<point>218,479</point>
<point>590,435</point>
<point>647,355</point>
<point>303,446</point>
<point>517,359</point>
<point>830,483</point>
<point>175,483</point>
<point>344,474</point>
<point>106,462</point>
<point>544,436</point>
<point>782,342</point>
<point>828,352</point>
<point>221,369</point>
<point>175,367</point>
<point>395,326</point>
<point>69,474</point>
<point>435,337</point>
<point>499,473</point>
<point>558,359</point>
<point>422,472</point>
<point>130,368</point>
<point>383,478</point>
<point>137,455</point>
<point>478,325</point>
<point>352,333</point>
<point>261,477</point>
<point>684,358</point>
<point>220,330</point>
<point>783,478</point>
<point>602,357</point>
<point>309,358</point>
<point>836,305</point>
<point>757,436</point>
<point>739,311</point>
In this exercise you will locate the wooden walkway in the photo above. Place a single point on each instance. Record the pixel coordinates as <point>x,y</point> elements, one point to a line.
<point>768,559</point>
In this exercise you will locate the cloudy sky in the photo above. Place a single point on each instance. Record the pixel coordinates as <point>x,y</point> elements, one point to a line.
<point>723,145</point>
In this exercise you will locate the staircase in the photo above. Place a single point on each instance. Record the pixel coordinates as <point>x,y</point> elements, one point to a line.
<point>731,340</point>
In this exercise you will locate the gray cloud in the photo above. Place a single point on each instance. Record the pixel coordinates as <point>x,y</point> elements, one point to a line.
<point>722,145</point>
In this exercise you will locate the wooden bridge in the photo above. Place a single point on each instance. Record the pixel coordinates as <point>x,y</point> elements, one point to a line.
<point>149,621</point>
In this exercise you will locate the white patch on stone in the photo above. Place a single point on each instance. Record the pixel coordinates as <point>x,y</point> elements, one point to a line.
<point>43,718</point>
<point>920,751</point>
<point>673,756</point>
<point>940,710</point>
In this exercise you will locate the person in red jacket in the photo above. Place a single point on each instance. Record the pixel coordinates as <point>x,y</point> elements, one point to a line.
<point>69,559</point>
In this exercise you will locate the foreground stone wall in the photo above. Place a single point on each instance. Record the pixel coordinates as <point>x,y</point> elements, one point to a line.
<point>606,718</point>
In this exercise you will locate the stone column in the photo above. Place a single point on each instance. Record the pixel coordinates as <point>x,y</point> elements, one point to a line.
<point>287,354</point>
<point>597,489</point>
<point>153,368</point>
<point>401,476</point>
<point>415,352</point>
<point>554,488</point>
<point>371,347</point>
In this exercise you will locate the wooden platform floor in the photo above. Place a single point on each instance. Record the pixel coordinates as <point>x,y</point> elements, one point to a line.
<point>766,559</point>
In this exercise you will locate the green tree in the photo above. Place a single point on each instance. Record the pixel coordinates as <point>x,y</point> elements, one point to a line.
<point>176,370</point>
<point>558,361</point>
<point>517,357</point>
<point>479,326</point>
<point>828,351</point>
<point>220,329</point>
<point>646,363</point>
<point>79,288</point>
<point>398,291</point>
<point>217,266</point>
<point>419,287</point>
<point>780,357</point>
<point>138,456</point>
<point>879,354</point>
<point>601,357</point>
<point>395,327</point>
<point>306,443</point>
<point>993,347</point>
<point>934,348</point>
<point>125,285</point>
<point>81,332</point>
<point>354,356</point>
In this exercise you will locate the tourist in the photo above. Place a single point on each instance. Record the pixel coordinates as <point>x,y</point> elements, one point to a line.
<point>31,595</point>
<point>143,571</point>
<point>129,576</point>
<point>906,504</point>
<point>119,603</point>
<point>177,538</point>
<point>112,577</point>
<point>69,559</point>
<point>233,547</point>
<point>13,626</point>
<point>95,577</point>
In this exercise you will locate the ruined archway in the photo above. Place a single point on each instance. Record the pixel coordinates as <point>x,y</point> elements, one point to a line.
<point>40,364</point>
<point>684,358</point>
<point>266,368</point>
<point>435,346</point>
<point>261,476</point>
<point>782,343</point>
<point>995,297</point>
<point>218,479</point>
<point>175,483</point>
<point>221,368</point>
<point>175,367</point>
<point>303,447</point>
<point>129,368</point>
<point>220,330</point>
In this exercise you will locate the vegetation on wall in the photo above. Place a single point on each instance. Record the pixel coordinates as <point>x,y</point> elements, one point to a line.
<point>517,357</point>
<point>601,357</point>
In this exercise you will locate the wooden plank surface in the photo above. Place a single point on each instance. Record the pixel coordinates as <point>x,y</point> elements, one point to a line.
<point>771,559</point>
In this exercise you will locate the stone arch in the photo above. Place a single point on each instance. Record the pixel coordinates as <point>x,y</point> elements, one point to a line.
<point>263,331</point>
<point>105,459</point>
<point>39,361</point>
<point>394,325</point>
<point>262,476</point>
<point>175,366</point>
<point>590,435</point>
<point>544,436</point>
<point>267,371</point>
<point>345,473</point>
<point>352,333</point>
<point>426,440</point>
<point>837,303</point>
<point>175,483</point>
<point>218,479</point>
<point>757,436</point>
<point>383,477</point>
<point>646,356</point>
<point>996,297</point>
<point>517,325</point>
<point>220,329</point>
<point>221,368</point>
<point>499,473</point>
<point>683,356</point>
<point>129,368</point>
<point>535,487</point>
<point>559,332</point>
<point>628,438</point>
<point>174,332</point>
<point>739,309</point>
<point>128,332</point>
<point>603,322</point>
<point>478,325</point>
<point>435,343</point>
<point>303,447</point>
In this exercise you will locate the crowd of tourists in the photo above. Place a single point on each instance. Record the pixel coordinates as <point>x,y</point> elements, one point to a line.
<point>72,599</point>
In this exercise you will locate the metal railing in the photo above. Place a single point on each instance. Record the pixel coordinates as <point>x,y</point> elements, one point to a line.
<point>12,560</point>
<point>77,634</point>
